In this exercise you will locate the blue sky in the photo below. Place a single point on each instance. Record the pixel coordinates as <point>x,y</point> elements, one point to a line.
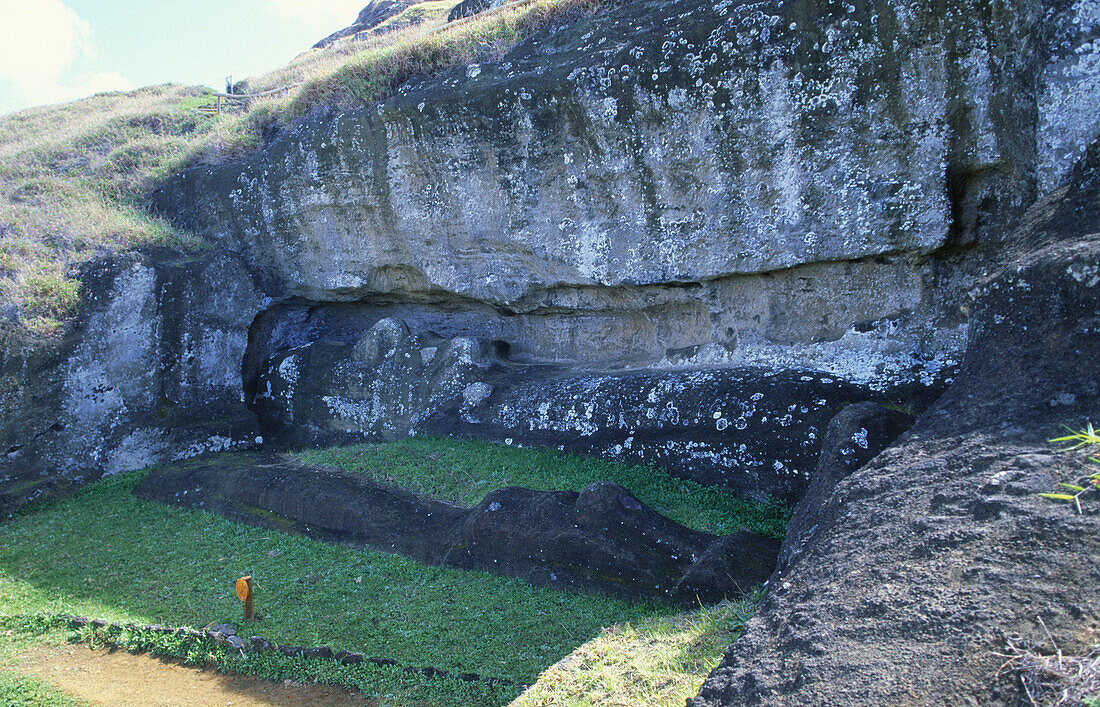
<point>59,50</point>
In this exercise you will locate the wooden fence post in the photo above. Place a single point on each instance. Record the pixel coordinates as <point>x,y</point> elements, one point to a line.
<point>244,593</point>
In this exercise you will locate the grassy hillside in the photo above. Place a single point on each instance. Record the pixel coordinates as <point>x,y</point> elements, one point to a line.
<point>71,180</point>
<point>73,177</point>
<point>107,554</point>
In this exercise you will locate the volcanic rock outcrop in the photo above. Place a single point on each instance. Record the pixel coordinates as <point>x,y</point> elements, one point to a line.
<point>468,8</point>
<point>600,539</point>
<point>590,241</point>
<point>628,202</point>
<point>924,562</point>
<point>807,187</point>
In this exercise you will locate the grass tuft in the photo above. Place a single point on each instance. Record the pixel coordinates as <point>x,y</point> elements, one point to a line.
<point>376,71</point>
<point>1088,483</point>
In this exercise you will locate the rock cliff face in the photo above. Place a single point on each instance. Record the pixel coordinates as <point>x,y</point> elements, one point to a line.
<point>686,232</point>
<point>657,229</point>
<point>922,563</point>
<point>633,152</point>
<point>752,189</point>
<point>150,372</point>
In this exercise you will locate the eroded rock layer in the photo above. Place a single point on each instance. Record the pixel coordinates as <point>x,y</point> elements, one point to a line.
<point>753,430</point>
<point>628,189</point>
<point>631,150</point>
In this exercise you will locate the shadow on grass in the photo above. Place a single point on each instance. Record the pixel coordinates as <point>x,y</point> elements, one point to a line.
<point>464,470</point>
<point>105,553</point>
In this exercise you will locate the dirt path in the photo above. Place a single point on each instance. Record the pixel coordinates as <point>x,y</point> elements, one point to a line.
<point>114,677</point>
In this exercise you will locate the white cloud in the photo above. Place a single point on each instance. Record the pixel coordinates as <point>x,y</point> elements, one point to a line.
<point>45,49</point>
<point>39,39</point>
<point>319,11</point>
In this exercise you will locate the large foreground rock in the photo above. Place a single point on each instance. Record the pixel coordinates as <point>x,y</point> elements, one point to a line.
<point>601,539</point>
<point>925,560</point>
<point>854,437</point>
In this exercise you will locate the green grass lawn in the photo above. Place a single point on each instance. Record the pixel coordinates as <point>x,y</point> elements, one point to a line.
<point>107,554</point>
<point>26,691</point>
<point>463,471</point>
<point>661,660</point>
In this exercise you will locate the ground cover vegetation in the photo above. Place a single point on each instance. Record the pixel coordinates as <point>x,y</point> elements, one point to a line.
<point>73,177</point>
<point>19,690</point>
<point>107,554</point>
<point>387,684</point>
<point>657,661</point>
<point>463,471</point>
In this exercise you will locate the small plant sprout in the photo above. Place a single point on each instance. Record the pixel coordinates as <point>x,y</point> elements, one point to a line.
<point>1083,438</point>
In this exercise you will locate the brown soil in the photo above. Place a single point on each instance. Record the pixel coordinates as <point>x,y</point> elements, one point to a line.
<point>118,678</point>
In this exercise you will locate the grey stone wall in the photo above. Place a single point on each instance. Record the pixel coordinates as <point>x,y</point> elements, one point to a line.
<point>149,372</point>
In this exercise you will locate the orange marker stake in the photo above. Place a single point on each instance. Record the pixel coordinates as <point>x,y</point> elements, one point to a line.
<point>244,593</point>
